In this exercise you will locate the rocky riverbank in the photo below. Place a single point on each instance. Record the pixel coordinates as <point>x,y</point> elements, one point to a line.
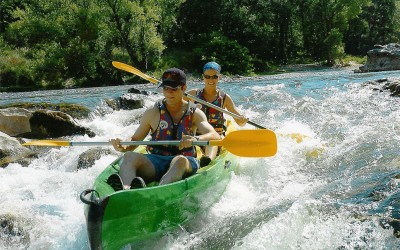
<point>22,122</point>
<point>382,58</point>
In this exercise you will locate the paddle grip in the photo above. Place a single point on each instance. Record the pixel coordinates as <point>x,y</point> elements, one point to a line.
<point>256,125</point>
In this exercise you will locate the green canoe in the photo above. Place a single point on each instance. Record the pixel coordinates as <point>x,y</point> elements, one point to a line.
<point>115,219</point>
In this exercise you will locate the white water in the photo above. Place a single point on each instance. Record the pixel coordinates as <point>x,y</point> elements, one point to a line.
<point>328,191</point>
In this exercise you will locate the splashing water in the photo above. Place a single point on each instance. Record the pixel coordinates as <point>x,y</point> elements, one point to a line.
<point>334,183</point>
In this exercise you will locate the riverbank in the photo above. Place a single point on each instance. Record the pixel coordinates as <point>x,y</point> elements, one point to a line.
<point>285,69</point>
<point>293,68</point>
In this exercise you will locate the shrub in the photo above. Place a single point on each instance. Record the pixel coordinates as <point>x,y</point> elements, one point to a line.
<point>233,58</point>
<point>15,68</point>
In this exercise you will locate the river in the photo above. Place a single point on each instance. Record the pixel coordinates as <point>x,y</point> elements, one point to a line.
<point>337,188</point>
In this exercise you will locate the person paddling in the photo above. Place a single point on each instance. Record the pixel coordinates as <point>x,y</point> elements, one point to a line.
<point>211,94</point>
<point>172,118</point>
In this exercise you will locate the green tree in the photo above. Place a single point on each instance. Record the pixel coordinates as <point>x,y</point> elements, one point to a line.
<point>136,25</point>
<point>72,43</point>
<point>324,23</point>
<point>234,58</point>
<point>378,23</point>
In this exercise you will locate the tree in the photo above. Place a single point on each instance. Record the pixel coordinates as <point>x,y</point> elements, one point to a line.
<point>234,58</point>
<point>136,24</point>
<point>324,23</point>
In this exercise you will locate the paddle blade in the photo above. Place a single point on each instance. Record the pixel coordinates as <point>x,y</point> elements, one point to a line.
<point>134,71</point>
<point>249,143</point>
<point>47,143</point>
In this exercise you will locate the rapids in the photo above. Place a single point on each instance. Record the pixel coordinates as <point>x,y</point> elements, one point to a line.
<point>334,183</point>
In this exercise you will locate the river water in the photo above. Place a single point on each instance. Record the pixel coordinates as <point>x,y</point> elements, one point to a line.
<point>337,188</point>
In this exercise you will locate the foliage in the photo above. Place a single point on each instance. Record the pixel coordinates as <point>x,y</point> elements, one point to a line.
<point>376,24</point>
<point>16,69</point>
<point>66,44</point>
<point>232,57</point>
<point>354,59</point>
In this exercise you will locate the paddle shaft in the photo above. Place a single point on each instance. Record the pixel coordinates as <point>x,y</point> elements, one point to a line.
<point>137,143</point>
<point>247,143</point>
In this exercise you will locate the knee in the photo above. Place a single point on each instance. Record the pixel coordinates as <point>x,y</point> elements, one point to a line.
<point>129,159</point>
<point>130,156</point>
<point>181,162</point>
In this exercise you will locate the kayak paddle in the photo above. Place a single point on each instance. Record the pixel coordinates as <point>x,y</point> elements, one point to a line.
<point>135,71</point>
<point>245,143</point>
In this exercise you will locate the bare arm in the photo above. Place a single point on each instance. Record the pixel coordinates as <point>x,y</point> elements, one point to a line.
<point>231,107</point>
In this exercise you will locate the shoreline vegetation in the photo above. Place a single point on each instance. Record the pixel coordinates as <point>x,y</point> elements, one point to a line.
<point>195,77</point>
<point>47,45</point>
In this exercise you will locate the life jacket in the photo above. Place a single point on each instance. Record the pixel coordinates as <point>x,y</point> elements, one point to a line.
<point>167,130</point>
<point>215,117</point>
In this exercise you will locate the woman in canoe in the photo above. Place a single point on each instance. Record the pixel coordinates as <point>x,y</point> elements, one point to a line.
<point>172,118</point>
<point>211,94</point>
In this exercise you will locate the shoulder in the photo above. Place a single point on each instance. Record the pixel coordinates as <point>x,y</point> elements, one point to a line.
<point>152,111</point>
<point>222,93</point>
<point>199,115</point>
<point>227,99</point>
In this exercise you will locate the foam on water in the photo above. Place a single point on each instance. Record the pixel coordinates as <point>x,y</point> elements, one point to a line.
<point>334,178</point>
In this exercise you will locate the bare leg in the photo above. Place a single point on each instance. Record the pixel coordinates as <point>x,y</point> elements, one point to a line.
<point>211,152</point>
<point>135,164</point>
<point>178,167</point>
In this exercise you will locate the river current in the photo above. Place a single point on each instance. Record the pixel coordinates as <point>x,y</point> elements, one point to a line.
<point>334,183</point>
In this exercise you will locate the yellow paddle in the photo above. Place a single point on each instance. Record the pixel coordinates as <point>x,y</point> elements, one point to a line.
<point>134,71</point>
<point>245,143</point>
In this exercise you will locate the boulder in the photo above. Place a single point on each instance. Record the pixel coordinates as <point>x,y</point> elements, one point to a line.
<point>396,92</point>
<point>134,91</point>
<point>382,58</point>
<point>87,158</point>
<point>131,101</point>
<point>12,151</point>
<point>51,124</point>
<point>384,84</point>
<point>74,110</point>
<point>12,232</point>
<point>138,91</point>
<point>113,104</point>
<point>15,121</point>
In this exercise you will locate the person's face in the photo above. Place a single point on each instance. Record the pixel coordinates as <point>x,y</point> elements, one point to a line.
<point>173,93</point>
<point>211,77</point>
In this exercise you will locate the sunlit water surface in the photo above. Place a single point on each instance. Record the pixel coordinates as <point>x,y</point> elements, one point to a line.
<point>332,185</point>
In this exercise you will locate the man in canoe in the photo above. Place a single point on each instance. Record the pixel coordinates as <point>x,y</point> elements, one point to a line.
<point>172,118</point>
<point>210,93</point>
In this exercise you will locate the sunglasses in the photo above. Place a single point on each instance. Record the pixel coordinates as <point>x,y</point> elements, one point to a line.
<point>211,77</point>
<point>166,88</point>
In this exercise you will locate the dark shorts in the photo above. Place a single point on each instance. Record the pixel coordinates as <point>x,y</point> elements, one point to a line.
<point>161,163</point>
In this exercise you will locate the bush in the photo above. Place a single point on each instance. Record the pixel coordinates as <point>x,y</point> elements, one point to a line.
<point>16,69</point>
<point>233,58</point>
<point>180,58</point>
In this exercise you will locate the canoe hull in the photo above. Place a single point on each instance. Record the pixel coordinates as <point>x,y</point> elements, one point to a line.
<point>115,219</point>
